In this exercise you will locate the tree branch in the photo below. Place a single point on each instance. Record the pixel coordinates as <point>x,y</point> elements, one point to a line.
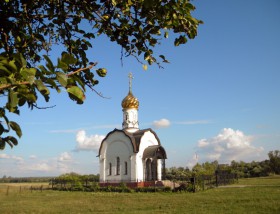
<point>82,69</point>
<point>5,86</point>
<point>34,105</point>
<point>2,87</point>
<point>98,93</point>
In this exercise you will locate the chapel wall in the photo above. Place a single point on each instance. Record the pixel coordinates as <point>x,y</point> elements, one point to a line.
<point>148,139</point>
<point>116,146</point>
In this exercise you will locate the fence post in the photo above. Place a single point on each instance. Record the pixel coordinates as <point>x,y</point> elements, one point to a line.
<point>8,187</point>
<point>193,183</point>
<point>217,179</point>
<point>203,183</point>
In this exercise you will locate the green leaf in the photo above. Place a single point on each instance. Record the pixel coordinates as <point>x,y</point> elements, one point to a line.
<point>1,129</point>
<point>2,144</point>
<point>13,101</point>
<point>31,97</point>
<point>79,80</point>
<point>28,74</point>
<point>21,102</point>
<point>177,42</point>
<point>43,89</point>
<point>161,56</point>
<point>77,94</point>
<point>68,58</point>
<point>148,3</point>
<point>16,128</point>
<point>49,63</point>
<point>164,59</point>
<point>147,56</point>
<point>62,78</point>
<point>180,40</point>
<point>101,72</point>
<point>8,65</point>
<point>62,65</point>
<point>12,66</point>
<point>2,114</point>
<point>145,67</point>
<point>11,141</point>
<point>23,61</point>
<point>52,84</point>
<point>43,69</point>
<point>4,69</point>
<point>114,3</point>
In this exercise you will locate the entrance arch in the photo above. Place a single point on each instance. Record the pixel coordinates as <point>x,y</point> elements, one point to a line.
<point>153,156</point>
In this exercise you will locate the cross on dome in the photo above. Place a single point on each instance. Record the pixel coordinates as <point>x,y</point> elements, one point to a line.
<point>130,77</point>
<point>130,101</point>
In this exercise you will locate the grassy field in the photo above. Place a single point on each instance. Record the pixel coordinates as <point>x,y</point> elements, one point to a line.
<point>260,195</point>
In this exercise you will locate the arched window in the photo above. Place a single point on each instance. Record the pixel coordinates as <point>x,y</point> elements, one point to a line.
<point>118,166</point>
<point>125,168</point>
<point>110,168</point>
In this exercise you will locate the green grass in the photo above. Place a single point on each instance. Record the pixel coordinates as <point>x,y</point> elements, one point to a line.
<point>263,181</point>
<point>251,197</point>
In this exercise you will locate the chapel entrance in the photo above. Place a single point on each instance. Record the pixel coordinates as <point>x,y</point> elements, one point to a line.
<point>151,170</point>
<point>154,159</point>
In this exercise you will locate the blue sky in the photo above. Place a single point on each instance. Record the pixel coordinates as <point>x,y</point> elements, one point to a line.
<point>219,98</point>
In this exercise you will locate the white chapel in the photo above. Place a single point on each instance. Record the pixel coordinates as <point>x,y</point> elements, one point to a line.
<point>130,154</point>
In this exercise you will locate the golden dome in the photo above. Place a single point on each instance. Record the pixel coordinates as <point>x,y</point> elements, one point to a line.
<point>130,101</point>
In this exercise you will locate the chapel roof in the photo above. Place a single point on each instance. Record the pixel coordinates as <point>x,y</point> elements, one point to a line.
<point>135,138</point>
<point>155,151</point>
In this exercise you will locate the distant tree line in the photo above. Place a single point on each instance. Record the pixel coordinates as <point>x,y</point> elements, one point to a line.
<point>241,168</point>
<point>68,177</point>
<point>9,179</point>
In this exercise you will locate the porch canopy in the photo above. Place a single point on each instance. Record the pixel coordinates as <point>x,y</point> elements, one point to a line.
<point>156,151</point>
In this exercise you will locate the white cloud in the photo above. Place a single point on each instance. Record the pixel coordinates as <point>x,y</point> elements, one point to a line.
<point>65,156</point>
<point>203,143</point>
<point>162,123</point>
<point>36,166</point>
<point>43,167</point>
<point>55,165</point>
<point>32,156</point>
<point>4,156</point>
<point>64,168</point>
<point>19,159</point>
<point>228,145</point>
<point>11,157</point>
<point>88,143</point>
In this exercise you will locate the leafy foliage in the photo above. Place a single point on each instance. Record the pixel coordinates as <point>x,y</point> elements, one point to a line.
<point>241,168</point>
<point>30,28</point>
<point>274,161</point>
